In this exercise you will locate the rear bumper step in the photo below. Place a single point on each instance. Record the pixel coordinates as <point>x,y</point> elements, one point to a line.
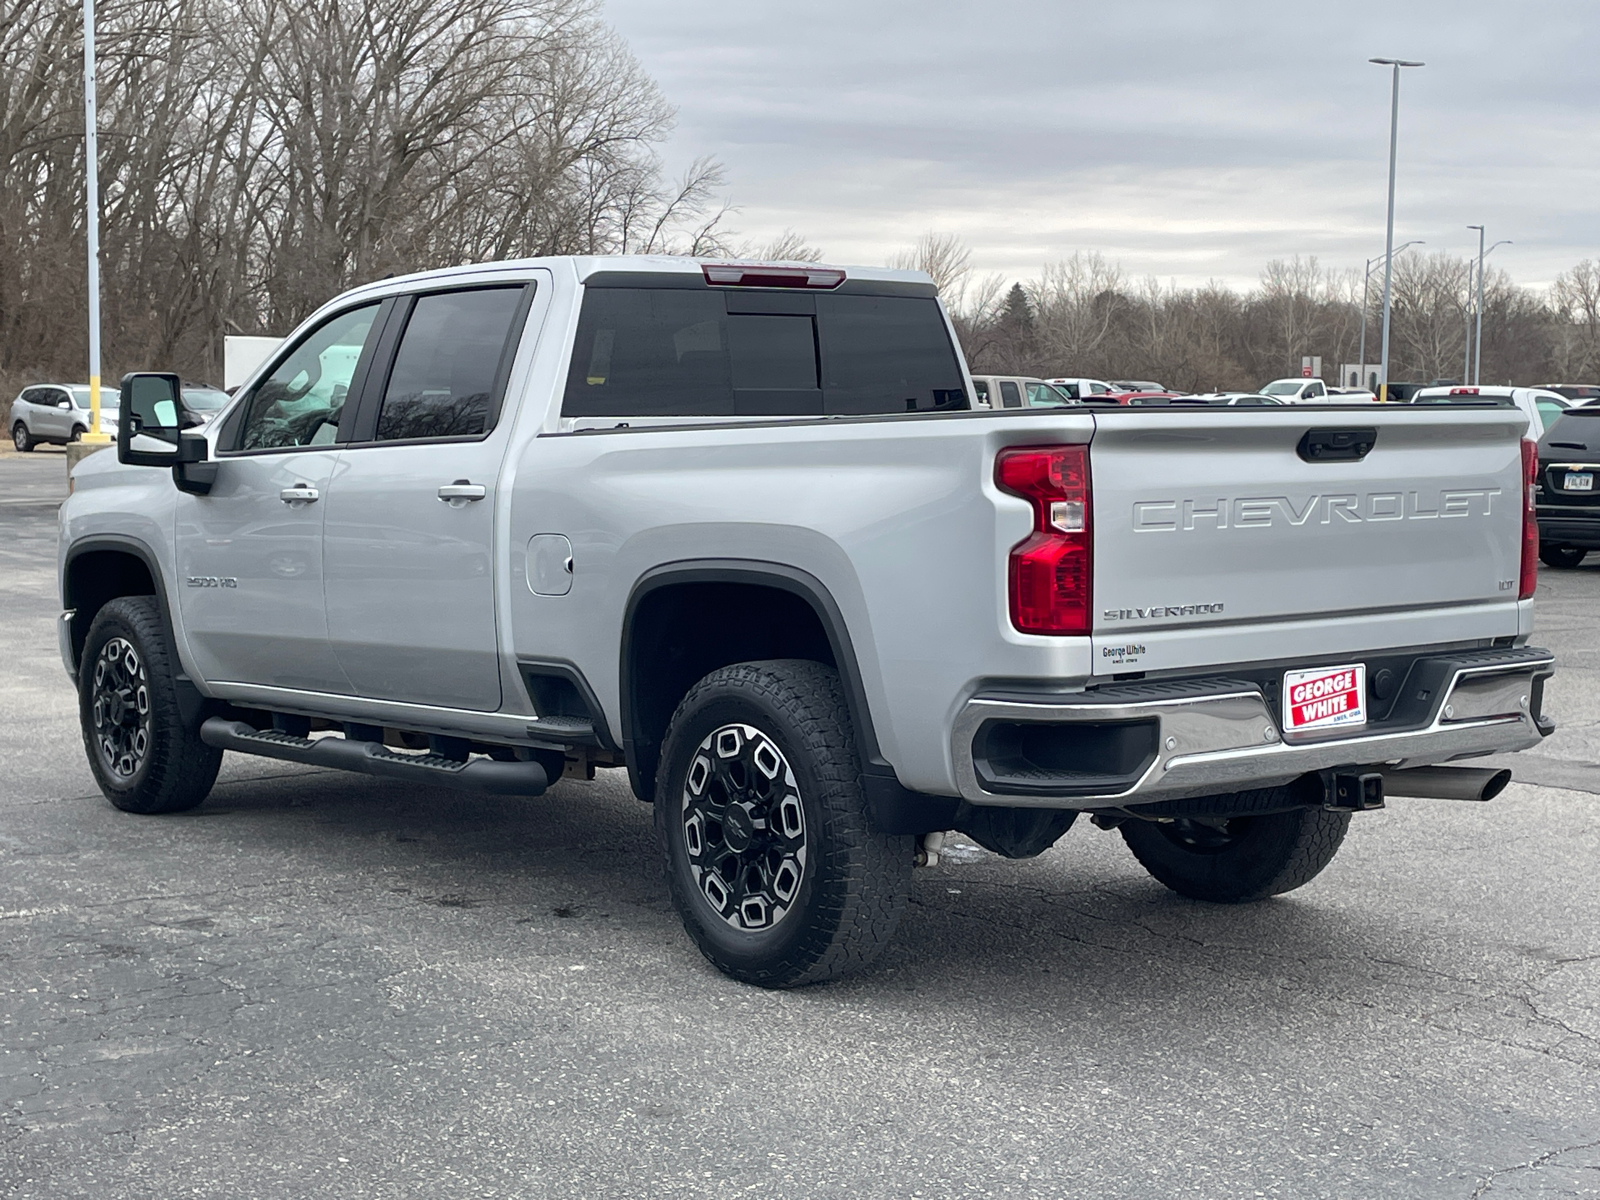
<point>1144,742</point>
<point>373,758</point>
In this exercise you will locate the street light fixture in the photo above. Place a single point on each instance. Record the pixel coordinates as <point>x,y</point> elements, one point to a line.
<point>1388,240</point>
<point>1366,289</point>
<point>1477,368</point>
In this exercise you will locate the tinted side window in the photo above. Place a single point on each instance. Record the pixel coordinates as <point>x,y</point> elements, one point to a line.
<point>1010,396</point>
<point>300,402</point>
<point>885,354</point>
<point>446,370</point>
<point>648,352</point>
<point>682,352</point>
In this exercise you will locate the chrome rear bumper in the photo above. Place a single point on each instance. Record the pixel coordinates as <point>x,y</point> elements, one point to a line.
<point>1220,735</point>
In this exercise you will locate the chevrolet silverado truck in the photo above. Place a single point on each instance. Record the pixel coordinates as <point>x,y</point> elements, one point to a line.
<point>739,530</point>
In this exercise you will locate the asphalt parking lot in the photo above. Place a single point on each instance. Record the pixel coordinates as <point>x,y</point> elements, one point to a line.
<point>325,985</point>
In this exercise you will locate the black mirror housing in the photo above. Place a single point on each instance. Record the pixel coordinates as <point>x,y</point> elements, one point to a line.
<point>156,430</point>
<point>151,415</point>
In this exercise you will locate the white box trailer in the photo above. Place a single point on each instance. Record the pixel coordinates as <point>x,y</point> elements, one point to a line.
<point>242,355</point>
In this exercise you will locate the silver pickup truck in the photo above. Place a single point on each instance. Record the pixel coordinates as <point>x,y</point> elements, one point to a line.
<point>739,529</point>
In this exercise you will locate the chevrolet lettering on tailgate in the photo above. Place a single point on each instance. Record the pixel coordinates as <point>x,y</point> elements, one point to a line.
<point>1259,512</point>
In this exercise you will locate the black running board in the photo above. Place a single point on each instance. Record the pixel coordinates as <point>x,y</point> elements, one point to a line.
<point>373,758</point>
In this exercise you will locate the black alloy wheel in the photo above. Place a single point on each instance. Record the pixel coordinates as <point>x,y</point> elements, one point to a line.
<point>146,757</point>
<point>744,827</point>
<point>120,691</point>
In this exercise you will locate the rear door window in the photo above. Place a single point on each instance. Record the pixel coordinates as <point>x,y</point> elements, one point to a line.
<point>708,352</point>
<point>1010,394</point>
<point>449,368</point>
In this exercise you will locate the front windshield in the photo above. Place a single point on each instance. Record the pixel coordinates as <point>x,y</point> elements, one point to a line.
<point>204,399</point>
<point>108,397</point>
<point>1284,387</point>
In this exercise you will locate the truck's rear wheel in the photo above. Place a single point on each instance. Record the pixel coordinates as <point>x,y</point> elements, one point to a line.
<point>773,864</point>
<point>1561,556</point>
<point>145,759</point>
<point>1232,860</point>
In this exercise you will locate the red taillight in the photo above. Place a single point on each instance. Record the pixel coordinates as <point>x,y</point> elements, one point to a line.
<point>771,276</point>
<point>1530,520</point>
<point>1463,391</point>
<point>1052,572</point>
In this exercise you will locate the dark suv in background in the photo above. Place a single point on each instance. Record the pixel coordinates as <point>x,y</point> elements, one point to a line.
<point>1566,495</point>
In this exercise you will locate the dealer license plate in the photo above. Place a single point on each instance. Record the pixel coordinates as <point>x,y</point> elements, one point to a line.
<point>1324,698</point>
<point>1578,481</point>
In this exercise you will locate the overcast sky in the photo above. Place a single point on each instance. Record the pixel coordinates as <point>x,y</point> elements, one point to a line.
<point>1185,139</point>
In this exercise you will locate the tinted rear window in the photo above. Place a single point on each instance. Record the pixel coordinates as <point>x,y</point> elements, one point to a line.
<point>706,352</point>
<point>1576,426</point>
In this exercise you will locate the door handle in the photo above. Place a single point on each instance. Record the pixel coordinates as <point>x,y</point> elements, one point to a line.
<point>459,492</point>
<point>300,493</point>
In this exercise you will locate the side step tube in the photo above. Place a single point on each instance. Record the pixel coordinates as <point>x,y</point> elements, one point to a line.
<point>1447,783</point>
<point>373,758</point>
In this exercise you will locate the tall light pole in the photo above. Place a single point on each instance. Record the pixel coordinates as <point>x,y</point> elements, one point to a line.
<point>1388,238</point>
<point>1477,357</point>
<point>91,172</point>
<point>1466,365</point>
<point>1366,277</point>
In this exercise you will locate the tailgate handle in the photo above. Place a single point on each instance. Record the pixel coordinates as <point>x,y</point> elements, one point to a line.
<point>1336,445</point>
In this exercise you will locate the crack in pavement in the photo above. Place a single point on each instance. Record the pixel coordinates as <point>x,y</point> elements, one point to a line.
<point>1487,1181</point>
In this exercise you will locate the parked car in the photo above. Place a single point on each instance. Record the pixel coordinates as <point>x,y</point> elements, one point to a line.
<point>1240,399</point>
<point>1145,399</point>
<point>1016,391</point>
<point>58,413</point>
<point>1568,502</point>
<point>1402,393</point>
<point>1085,389</point>
<point>514,544</point>
<point>1297,390</point>
<point>1538,405</point>
<point>1578,393</point>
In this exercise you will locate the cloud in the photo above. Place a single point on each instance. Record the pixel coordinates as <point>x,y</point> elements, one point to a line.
<point>1190,140</point>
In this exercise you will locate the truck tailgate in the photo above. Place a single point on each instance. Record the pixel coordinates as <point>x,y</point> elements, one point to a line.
<point>1216,541</point>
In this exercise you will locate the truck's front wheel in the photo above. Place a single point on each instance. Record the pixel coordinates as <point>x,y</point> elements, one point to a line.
<point>143,755</point>
<point>773,864</point>
<point>1229,861</point>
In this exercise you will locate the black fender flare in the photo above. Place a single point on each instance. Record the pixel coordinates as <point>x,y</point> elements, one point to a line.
<point>191,701</point>
<point>895,808</point>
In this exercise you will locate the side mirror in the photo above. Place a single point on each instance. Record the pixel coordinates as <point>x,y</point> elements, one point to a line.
<point>148,429</point>
<point>63,404</point>
<point>153,430</point>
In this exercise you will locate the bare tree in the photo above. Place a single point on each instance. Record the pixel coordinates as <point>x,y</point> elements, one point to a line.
<point>1576,297</point>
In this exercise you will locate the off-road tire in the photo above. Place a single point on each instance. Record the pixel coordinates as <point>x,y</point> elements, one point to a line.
<point>1231,861</point>
<point>1563,557</point>
<point>21,438</point>
<point>855,880</point>
<point>175,770</point>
